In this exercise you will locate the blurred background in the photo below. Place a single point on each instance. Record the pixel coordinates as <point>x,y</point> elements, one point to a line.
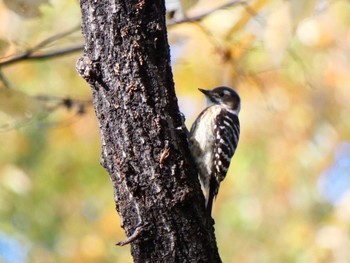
<point>286,197</point>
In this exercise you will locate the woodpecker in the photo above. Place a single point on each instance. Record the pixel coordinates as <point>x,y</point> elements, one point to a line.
<point>214,137</point>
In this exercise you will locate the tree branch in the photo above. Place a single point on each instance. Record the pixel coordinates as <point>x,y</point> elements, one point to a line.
<point>35,54</point>
<point>30,55</point>
<point>202,16</point>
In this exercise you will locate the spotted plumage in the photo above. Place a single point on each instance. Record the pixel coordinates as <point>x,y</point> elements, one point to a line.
<point>226,134</point>
<point>214,137</point>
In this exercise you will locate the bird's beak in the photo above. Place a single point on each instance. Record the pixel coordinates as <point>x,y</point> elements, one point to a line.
<point>205,92</point>
<point>209,96</point>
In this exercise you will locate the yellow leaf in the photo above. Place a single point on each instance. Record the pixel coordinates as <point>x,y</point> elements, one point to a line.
<point>300,9</point>
<point>18,105</point>
<point>25,8</point>
<point>250,12</point>
<point>4,44</point>
<point>278,32</point>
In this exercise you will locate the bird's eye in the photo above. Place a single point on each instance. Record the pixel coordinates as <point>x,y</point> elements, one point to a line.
<point>221,94</point>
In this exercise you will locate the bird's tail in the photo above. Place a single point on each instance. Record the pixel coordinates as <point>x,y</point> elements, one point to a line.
<point>213,191</point>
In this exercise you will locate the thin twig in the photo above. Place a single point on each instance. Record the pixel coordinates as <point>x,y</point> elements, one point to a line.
<point>33,53</point>
<point>131,238</point>
<point>54,38</point>
<point>295,56</point>
<point>44,55</point>
<point>201,16</point>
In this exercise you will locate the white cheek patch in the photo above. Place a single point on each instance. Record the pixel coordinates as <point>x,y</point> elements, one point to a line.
<point>227,93</point>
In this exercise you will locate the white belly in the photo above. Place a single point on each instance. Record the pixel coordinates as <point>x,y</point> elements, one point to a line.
<point>202,140</point>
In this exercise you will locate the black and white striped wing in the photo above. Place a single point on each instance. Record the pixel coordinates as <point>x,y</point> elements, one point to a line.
<point>226,132</point>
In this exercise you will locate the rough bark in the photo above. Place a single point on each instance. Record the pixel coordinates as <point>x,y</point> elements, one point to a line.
<point>126,61</point>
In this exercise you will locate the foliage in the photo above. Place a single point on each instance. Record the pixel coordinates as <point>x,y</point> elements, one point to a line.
<point>288,61</point>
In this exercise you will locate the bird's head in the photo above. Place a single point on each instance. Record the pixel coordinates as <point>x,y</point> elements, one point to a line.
<point>223,96</point>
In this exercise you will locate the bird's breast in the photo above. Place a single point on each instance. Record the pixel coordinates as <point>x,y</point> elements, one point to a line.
<point>202,138</point>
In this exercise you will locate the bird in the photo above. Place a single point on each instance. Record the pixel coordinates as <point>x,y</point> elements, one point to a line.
<point>214,137</point>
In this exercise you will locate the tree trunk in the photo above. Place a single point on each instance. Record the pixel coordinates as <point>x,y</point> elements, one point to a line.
<point>144,147</point>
